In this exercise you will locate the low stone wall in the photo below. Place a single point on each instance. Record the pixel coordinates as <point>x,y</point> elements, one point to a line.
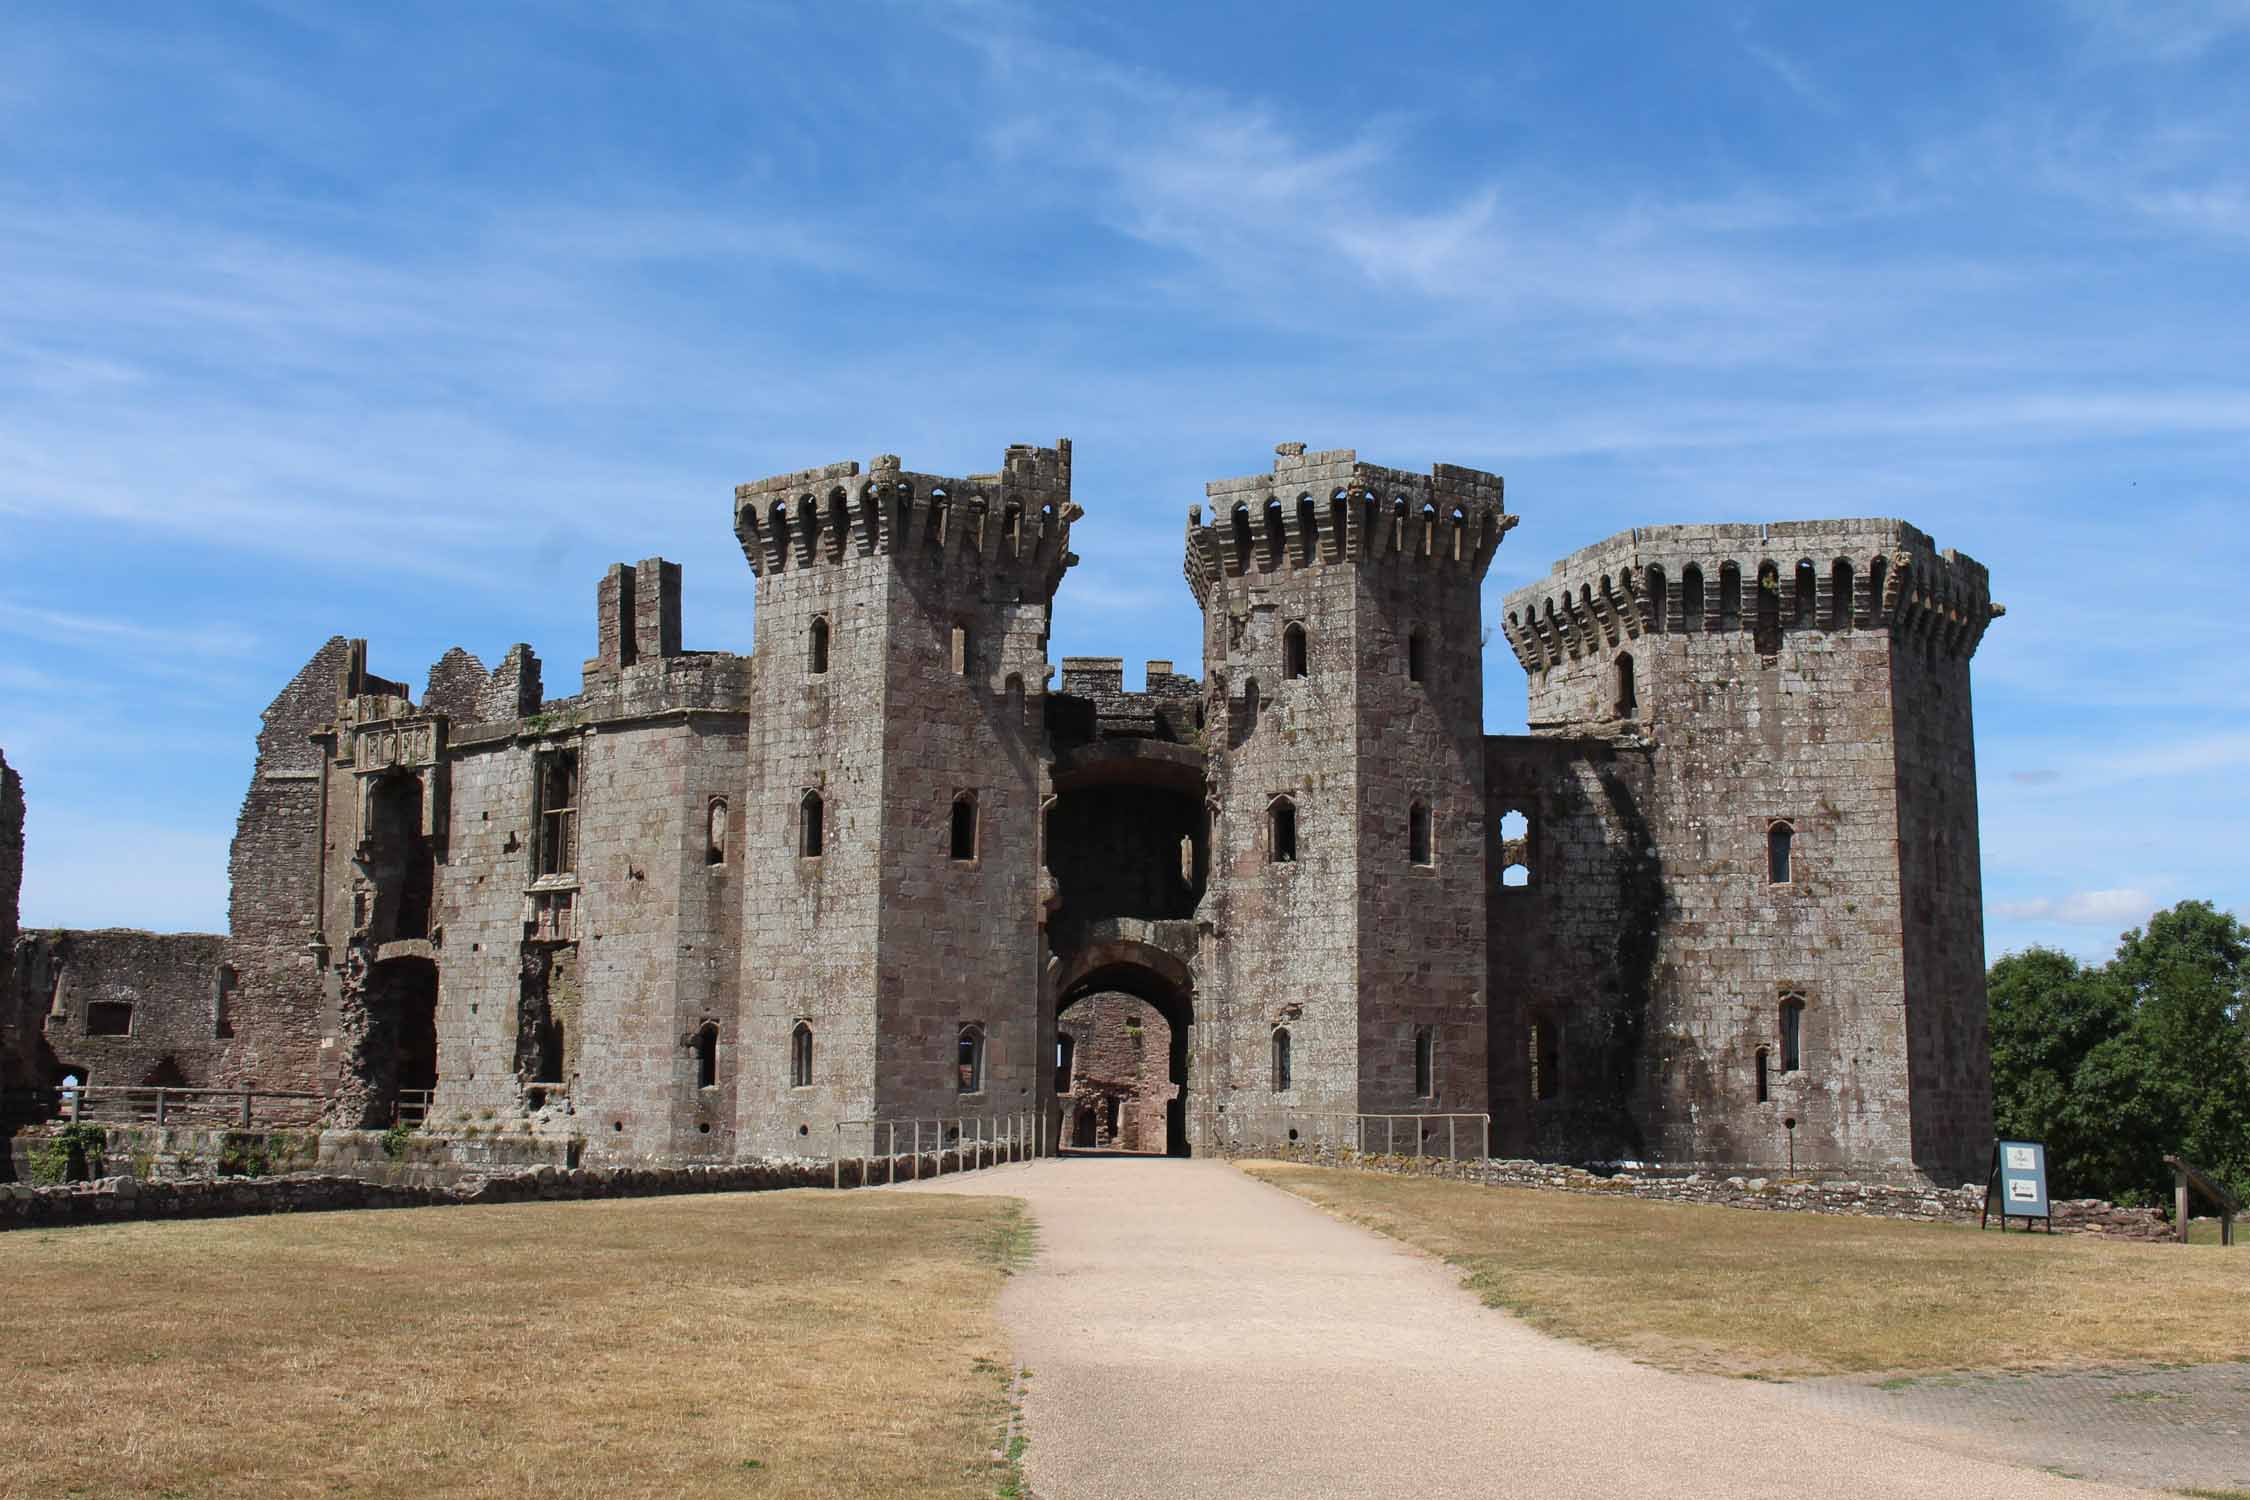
<point>115,1199</point>
<point>1924,1204</point>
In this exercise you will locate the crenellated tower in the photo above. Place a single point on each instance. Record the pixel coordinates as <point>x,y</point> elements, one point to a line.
<point>1342,649</point>
<point>1783,836</point>
<point>895,779</point>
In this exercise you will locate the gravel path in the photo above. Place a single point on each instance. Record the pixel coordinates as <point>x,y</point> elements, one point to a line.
<point>1192,1332</point>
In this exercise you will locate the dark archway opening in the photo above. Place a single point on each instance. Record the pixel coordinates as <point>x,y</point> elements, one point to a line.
<point>1111,1068</point>
<point>399,858</point>
<point>402,1043</point>
<point>1128,851</point>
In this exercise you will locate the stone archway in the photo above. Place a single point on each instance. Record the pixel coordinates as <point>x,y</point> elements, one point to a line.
<point>1133,966</point>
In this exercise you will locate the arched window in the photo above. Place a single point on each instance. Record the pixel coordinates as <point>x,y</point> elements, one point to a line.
<point>819,650</point>
<point>1792,1032</point>
<point>1658,603</point>
<point>1425,1062</point>
<point>1418,834</point>
<point>1779,836</point>
<point>1281,1078</point>
<point>1276,535</point>
<point>715,832</point>
<point>1417,656</point>
<point>1308,530</point>
<point>1515,849</point>
<point>941,513</point>
<point>1808,586</point>
<point>1765,1092</point>
<point>1281,831</point>
<point>1877,571</point>
<point>1241,536</point>
<point>1014,691</point>
<point>970,1058</point>
<point>810,838</point>
<point>1840,595</point>
<point>1691,597</point>
<point>1293,651</point>
<point>965,826</point>
<point>1250,705</point>
<point>707,1055</point>
<point>1730,597</point>
<point>1429,528</point>
<point>800,1055</point>
<point>1011,528</point>
<point>1628,694</point>
<point>1545,1052</point>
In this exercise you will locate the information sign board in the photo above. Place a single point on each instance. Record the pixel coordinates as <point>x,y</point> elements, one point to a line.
<point>2017,1186</point>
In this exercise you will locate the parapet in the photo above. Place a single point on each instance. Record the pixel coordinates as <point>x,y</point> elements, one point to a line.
<point>1017,519</point>
<point>1761,581</point>
<point>1317,509</point>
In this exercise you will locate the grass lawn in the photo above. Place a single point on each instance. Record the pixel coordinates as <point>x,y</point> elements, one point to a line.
<point>1744,1291</point>
<point>794,1343</point>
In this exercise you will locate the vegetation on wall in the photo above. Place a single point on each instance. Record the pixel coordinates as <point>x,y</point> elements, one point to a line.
<point>2116,1066</point>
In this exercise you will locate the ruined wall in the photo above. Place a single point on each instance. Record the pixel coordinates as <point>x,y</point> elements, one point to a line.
<point>1761,678</point>
<point>1094,703</point>
<point>281,1010</point>
<point>1572,945</point>
<point>23,1063</point>
<point>1119,1084</point>
<point>1359,942</point>
<point>128,1007</point>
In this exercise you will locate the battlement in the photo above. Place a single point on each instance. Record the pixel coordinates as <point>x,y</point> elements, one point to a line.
<point>1760,581</point>
<point>1018,518</point>
<point>1321,508</point>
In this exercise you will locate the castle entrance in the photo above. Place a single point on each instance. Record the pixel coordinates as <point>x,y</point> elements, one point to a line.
<point>1124,1035</point>
<point>402,1049</point>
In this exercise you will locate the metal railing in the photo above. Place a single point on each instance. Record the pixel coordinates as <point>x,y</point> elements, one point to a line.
<point>1446,1137</point>
<point>974,1141</point>
<point>412,1106</point>
<point>109,1103</point>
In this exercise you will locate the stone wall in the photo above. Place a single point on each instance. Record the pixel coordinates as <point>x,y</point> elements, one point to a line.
<point>1120,1083</point>
<point>23,1063</point>
<point>1918,1203</point>
<point>130,1008</point>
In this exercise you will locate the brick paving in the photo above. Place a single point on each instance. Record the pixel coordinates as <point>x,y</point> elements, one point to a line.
<point>2169,1428</point>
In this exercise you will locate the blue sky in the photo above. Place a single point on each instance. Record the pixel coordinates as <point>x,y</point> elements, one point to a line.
<point>404,321</point>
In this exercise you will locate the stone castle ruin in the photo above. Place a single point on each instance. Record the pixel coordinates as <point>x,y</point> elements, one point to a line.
<point>1719,908</point>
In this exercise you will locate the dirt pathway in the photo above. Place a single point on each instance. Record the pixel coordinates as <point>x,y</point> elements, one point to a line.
<point>1192,1332</point>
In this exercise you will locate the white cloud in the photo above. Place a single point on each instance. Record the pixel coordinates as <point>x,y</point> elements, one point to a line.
<point>2082,908</point>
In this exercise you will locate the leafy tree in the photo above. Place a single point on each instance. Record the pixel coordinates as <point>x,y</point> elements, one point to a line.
<point>2117,1066</point>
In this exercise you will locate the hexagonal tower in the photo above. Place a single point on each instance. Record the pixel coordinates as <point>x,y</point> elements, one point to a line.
<point>1345,703</point>
<point>1773,800</point>
<point>891,861</point>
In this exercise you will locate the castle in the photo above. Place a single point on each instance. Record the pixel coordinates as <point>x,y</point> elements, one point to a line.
<point>1719,908</point>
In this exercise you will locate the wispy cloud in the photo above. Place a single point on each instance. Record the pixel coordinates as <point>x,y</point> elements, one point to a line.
<point>2083,908</point>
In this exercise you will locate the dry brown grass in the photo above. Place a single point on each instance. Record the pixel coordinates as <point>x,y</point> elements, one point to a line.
<point>1755,1293</point>
<point>795,1343</point>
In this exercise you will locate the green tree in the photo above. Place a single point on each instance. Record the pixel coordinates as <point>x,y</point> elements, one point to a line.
<point>2049,1014</point>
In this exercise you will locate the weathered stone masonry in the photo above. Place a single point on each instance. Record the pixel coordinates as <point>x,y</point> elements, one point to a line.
<point>1719,908</point>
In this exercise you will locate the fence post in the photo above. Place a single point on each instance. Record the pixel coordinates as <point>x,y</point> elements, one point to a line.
<point>890,1163</point>
<point>917,1177</point>
<point>1452,1138</point>
<point>160,1106</point>
<point>1417,1139</point>
<point>1484,1137</point>
<point>836,1155</point>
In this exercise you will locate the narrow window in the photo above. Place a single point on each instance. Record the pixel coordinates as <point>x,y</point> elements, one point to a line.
<point>960,650</point>
<point>1308,530</point>
<point>1281,1059</point>
<point>1281,831</point>
<point>1658,603</point>
<point>800,1055</point>
<point>1014,690</point>
<point>1730,597</point>
<point>1765,1094</point>
<point>707,1055</point>
<point>1691,597</point>
<point>1417,657</point>
<point>1792,1032</point>
<point>1250,705</point>
<point>109,1018</point>
<point>809,831</point>
<point>970,1056</point>
<point>1877,572</point>
<point>819,651</point>
<point>1276,540</point>
<point>1293,652</point>
<point>558,812</point>
<point>1418,834</point>
<point>715,832</point>
<point>1515,848</point>
<point>1779,836</point>
<point>1840,595</point>
<point>1808,586</point>
<point>965,826</point>
<point>1546,1059</point>
<point>1769,609</point>
<point>1425,1062</point>
<point>1628,694</point>
<point>1066,1061</point>
<point>1241,538</point>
